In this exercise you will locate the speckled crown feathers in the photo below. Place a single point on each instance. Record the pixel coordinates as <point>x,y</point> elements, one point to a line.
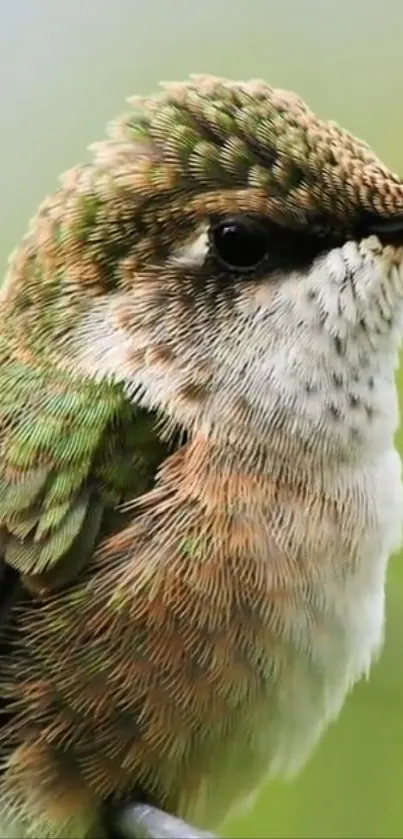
<point>215,133</point>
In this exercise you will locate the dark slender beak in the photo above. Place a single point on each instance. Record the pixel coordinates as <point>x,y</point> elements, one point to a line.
<point>387,229</point>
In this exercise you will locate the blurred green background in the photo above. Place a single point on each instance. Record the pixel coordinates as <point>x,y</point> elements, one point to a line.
<point>65,70</point>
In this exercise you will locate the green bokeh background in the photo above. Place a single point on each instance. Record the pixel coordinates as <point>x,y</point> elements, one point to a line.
<point>65,70</point>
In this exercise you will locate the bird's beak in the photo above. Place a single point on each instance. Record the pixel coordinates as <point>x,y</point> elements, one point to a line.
<point>387,228</point>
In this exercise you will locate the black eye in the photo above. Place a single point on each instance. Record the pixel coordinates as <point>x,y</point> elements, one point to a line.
<point>240,243</point>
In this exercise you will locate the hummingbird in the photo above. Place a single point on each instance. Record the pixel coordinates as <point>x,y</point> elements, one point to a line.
<point>199,487</point>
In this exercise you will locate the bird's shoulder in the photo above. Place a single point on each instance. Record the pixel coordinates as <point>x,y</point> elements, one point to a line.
<point>71,451</point>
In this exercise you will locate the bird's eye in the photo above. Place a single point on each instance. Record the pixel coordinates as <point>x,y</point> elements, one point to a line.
<point>240,243</point>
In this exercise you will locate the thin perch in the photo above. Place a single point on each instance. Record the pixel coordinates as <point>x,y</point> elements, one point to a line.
<point>141,821</point>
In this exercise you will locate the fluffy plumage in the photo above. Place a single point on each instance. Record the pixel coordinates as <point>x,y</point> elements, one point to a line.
<point>187,644</point>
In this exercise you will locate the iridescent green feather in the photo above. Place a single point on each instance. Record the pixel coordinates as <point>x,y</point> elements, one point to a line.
<point>70,452</point>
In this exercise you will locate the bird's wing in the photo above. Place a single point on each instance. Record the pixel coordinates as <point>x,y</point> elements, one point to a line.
<point>71,451</point>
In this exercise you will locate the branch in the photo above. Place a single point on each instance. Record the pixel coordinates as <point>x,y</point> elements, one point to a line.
<point>141,821</point>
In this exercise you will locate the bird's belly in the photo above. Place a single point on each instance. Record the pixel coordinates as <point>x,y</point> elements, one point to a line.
<point>194,676</point>
<point>274,729</point>
<point>322,641</point>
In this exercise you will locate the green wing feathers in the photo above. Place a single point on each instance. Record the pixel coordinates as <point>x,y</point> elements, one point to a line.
<point>71,450</point>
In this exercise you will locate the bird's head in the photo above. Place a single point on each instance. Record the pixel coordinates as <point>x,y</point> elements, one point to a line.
<point>235,262</point>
